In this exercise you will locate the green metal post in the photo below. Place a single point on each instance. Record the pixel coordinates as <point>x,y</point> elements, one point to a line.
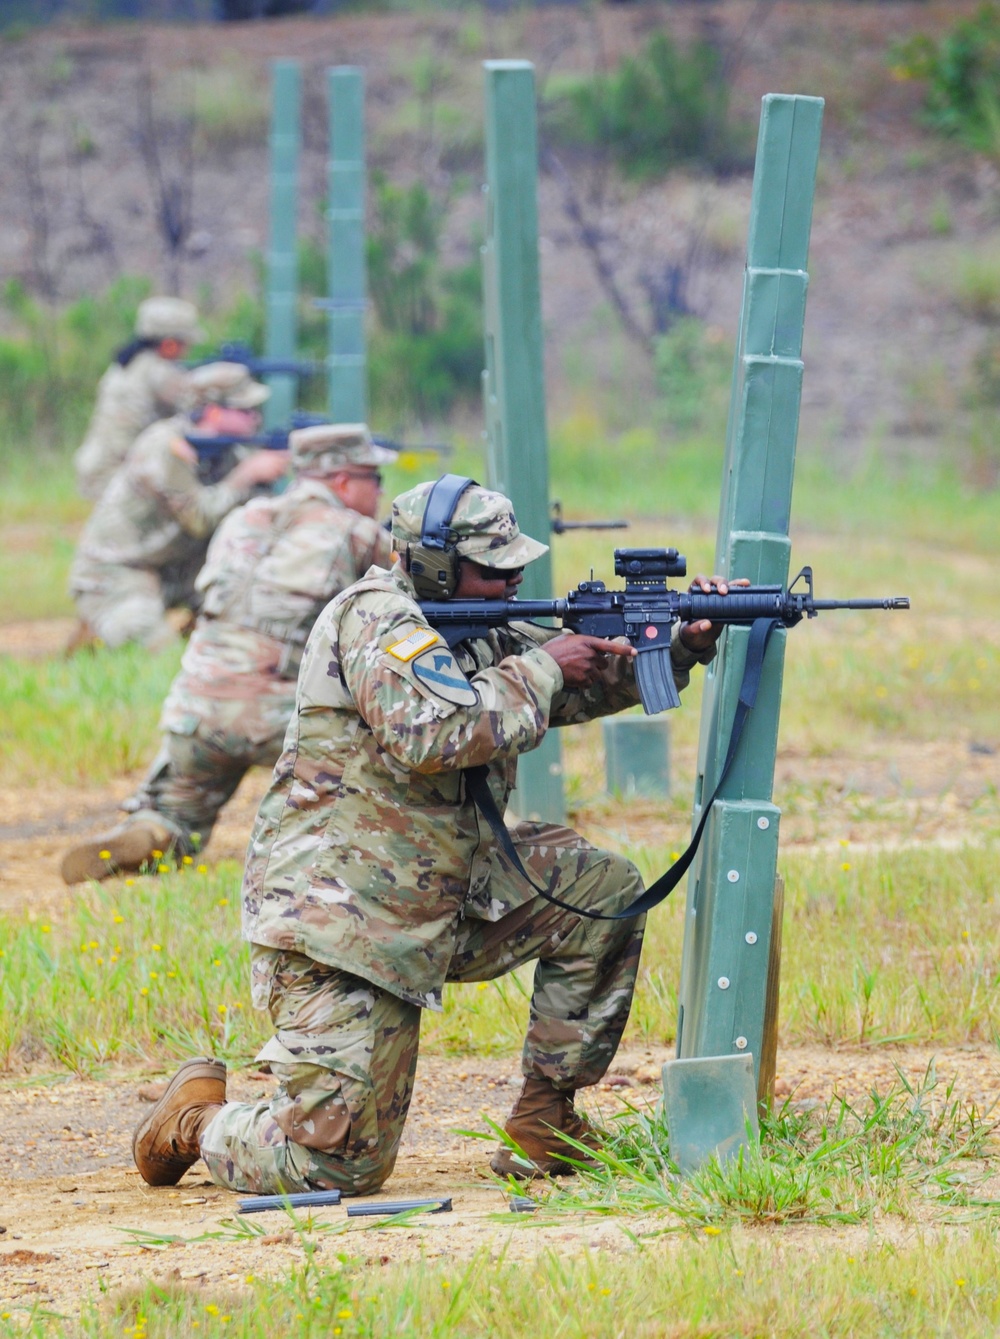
<point>347,388</point>
<point>282,260</point>
<point>513,381</point>
<point>728,921</point>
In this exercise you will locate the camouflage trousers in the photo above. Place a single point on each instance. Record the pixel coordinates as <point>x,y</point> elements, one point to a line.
<point>204,758</point>
<point>129,604</point>
<point>345,1051</point>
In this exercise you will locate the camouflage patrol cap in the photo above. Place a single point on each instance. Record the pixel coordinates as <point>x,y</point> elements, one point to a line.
<point>228,384</point>
<point>168,318</point>
<point>483,523</point>
<point>325,448</point>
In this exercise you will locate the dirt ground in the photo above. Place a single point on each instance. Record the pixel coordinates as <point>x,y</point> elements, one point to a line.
<point>71,1198</point>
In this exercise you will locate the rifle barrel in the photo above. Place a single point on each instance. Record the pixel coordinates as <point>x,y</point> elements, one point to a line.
<point>887,602</point>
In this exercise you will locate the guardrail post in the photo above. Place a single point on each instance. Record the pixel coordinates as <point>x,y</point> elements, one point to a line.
<point>346,364</point>
<point>729,921</point>
<point>282,258</point>
<point>514,382</point>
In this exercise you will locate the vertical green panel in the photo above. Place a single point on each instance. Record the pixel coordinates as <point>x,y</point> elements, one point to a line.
<point>514,383</point>
<point>723,1005</point>
<point>346,379</point>
<point>282,261</point>
<point>731,883</point>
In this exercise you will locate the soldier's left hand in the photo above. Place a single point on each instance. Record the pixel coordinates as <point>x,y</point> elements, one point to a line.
<point>703,634</point>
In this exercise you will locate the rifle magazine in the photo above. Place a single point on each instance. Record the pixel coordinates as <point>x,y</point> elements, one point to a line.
<point>654,673</point>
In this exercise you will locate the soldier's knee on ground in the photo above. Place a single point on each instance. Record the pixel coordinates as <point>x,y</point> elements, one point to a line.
<point>333,1111</point>
<point>134,619</point>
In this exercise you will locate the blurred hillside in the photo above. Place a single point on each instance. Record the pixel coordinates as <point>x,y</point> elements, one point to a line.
<point>905,280</point>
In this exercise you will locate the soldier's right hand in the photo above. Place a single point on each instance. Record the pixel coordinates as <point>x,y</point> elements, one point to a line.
<point>263,467</point>
<point>582,657</point>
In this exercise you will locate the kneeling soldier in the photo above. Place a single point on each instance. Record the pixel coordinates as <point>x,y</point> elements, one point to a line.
<point>373,878</point>
<point>272,566</point>
<point>146,539</point>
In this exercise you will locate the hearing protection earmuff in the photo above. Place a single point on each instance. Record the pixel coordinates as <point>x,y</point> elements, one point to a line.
<point>433,563</point>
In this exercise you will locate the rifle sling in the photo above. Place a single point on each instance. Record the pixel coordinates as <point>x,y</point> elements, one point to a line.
<point>478,788</point>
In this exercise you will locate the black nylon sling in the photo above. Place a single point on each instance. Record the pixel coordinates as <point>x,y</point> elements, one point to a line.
<point>478,788</point>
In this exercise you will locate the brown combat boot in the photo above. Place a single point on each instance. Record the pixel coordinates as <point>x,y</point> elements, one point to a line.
<point>126,847</point>
<point>541,1114</point>
<point>166,1142</point>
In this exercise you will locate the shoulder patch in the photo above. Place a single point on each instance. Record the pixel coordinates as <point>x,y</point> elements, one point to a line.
<point>438,671</point>
<point>413,643</point>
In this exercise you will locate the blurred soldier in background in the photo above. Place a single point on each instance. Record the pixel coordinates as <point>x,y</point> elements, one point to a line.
<point>272,566</point>
<point>144,383</point>
<point>146,539</point>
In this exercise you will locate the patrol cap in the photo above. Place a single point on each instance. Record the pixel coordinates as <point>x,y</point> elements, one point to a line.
<point>324,448</point>
<point>228,384</point>
<point>483,523</point>
<point>168,318</point>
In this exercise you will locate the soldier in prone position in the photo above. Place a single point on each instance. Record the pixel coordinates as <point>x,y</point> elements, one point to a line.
<point>145,541</point>
<point>372,877</point>
<point>144,383</point>
<point>272,566</point>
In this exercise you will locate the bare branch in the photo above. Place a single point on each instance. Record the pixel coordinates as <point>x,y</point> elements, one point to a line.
<point>173,193</point>
<point>591,238</point>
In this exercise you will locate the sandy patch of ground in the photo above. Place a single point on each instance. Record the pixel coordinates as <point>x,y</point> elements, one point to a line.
<point>70,1194</point>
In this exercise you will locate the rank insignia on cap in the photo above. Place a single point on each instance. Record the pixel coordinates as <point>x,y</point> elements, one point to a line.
<point>438,671</point>
<point>413,643</point>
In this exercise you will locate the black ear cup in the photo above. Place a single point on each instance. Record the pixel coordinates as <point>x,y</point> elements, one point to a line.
<point>433,563</point>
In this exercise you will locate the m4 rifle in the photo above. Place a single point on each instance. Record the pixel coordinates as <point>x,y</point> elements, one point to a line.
<point>645,612</point>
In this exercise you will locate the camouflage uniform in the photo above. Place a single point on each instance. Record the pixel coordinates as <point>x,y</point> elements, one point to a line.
<point>129,399</point>
<point>372,878</point>
<point>145,542</point>
<point>271,567</point>
<point>134,394</point>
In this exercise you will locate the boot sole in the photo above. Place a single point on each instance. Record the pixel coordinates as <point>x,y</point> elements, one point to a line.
<point>127,852</point>
<point>167,1173</point>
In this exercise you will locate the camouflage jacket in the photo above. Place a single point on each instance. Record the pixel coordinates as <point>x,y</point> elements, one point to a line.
<point>129,399</point>
<point>367,849</point>
<point>154,513</point>
<point>271,567</point>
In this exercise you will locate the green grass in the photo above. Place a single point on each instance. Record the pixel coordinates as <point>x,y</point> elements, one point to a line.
<point>81,720</point>
<point>121,975</point>
<point>737,1282</point>
<point>669,492</point>
<point>878,948</point>
<point>913,1152</point>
